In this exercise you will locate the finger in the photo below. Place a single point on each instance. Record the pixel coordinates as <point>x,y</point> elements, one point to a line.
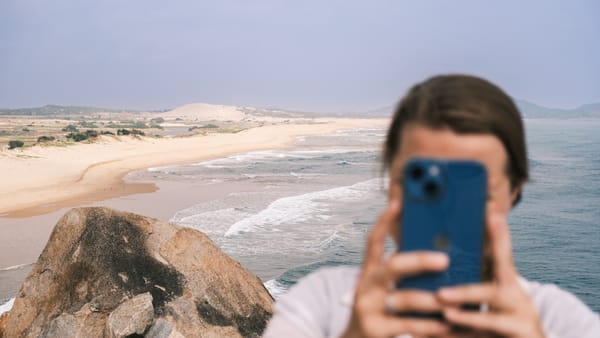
<point>485,321</point>
<point>412,263</point>
<point>473,293</point>
<point>504,268</point>
<point>376,240</point>
<point>392,326</point>
<point>414,300</point>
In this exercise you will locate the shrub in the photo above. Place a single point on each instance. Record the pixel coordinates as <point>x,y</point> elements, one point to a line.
<point>86,124</point>
<point>77,137</point>
<point>91,133</point>
<point>70,128</point>
<point>25,129</point>
<point>12,144</point>
<point>45,139</point>
<point>106,132</point>
<point>130,132</point>
<point>157,120</point>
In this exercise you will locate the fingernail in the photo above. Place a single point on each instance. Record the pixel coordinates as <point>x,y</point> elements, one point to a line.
<point>441,258</point>
<point>446,293</point>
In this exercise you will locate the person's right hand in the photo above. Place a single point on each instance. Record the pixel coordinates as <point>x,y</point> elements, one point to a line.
<point>375,294</point>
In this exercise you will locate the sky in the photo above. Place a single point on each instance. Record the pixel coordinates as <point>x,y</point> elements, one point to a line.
<point>309,55</point>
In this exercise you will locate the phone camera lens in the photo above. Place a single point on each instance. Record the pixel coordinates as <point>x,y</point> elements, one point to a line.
<point>417,173</point>
<point>431,189</point>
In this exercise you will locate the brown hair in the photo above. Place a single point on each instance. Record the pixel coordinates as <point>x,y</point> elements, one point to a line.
<point>466,105</point>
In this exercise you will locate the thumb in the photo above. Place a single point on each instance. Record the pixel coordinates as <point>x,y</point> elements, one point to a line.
<point>504,268</point>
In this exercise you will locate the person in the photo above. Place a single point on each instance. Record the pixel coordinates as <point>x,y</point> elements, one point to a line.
<point>451,117</point>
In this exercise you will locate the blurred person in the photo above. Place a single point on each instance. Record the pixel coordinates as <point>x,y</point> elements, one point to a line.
<point>447,117</point>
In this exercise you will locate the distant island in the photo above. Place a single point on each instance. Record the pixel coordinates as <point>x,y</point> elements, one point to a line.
<point>528,109</point>
<point>533,111</point>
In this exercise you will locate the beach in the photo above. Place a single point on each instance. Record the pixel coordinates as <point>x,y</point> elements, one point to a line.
<point>287,209</point>
<point>41,182</point>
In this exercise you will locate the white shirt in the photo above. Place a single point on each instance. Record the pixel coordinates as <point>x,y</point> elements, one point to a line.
<point>320,304</point>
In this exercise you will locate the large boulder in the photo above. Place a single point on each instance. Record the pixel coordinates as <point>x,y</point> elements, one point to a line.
<point>106,273</point>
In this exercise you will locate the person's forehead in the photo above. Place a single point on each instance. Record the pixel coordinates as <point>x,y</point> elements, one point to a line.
<point>423,141</point>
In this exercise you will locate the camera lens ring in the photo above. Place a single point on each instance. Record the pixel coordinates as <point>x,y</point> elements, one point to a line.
<point>431,189</point>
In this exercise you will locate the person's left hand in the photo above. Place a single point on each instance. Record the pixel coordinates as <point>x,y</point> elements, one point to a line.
<point>510,311</point>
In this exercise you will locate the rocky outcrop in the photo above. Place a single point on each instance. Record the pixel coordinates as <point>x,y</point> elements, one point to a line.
<point>106,273</point>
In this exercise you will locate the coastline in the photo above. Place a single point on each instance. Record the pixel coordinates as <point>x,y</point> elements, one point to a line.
<point>46,179</point>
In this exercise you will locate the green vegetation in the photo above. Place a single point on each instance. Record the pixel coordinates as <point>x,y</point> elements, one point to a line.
<point>157,120</point>
<point>86,124</point>
<point>130,132</point>
<point>26,130</point>
<point>106,132</point>
<point>70,128</point>
<point>78,137</point>
<point>12,144</point>
<point>128,124</point>
<point>42,139</point>
<point>207,126</point>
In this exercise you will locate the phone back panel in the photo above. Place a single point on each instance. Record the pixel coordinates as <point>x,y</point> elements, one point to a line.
<point>444,210</point>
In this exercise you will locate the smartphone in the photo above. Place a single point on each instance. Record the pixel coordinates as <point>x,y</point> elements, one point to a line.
<point>444,210</point>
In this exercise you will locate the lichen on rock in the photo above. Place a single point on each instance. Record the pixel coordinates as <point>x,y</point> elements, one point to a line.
<point>107,273</point>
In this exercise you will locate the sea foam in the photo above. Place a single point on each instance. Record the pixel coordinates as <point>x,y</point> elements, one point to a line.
<point>7,306</point>
<point>301,208</point>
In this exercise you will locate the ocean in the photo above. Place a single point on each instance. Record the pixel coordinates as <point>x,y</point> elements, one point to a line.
<point>311,205</point>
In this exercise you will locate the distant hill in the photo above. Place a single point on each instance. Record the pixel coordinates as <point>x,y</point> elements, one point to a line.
<point>532,110</point>
<point>528,109</point>
<point>52,110</point>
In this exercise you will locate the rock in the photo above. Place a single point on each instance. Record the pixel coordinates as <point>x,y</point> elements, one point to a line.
<point>3,319</point>
<point>133,316</point>
<point>105,273</point>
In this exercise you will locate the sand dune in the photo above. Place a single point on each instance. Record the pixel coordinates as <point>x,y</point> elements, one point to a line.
<point>205,112</point>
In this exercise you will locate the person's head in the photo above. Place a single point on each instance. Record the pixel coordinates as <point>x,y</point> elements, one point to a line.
<point>462,117</point>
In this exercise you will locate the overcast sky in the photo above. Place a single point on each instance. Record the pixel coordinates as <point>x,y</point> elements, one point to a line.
<point>327,56</point>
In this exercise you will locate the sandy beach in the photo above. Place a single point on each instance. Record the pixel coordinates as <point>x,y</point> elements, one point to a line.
<point>42,179</point>
<point>41,183</point>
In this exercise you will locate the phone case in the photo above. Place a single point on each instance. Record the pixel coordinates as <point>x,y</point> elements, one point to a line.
<point>444,210</point>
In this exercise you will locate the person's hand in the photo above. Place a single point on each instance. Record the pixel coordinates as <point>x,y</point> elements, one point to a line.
<point>375,299</point>
<point>510,311</point>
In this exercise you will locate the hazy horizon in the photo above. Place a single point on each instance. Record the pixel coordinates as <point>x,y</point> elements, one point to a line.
<point>312,56</point>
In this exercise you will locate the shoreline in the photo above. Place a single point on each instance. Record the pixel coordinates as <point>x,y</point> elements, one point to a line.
<point>97,176</point>
<point>87,173</point>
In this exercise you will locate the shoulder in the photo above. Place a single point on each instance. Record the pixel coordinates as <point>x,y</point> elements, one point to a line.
<point>561,313</point>
<point>317,306</point>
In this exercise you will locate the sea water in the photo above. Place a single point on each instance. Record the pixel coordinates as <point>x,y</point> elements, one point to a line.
<point>312,205</point>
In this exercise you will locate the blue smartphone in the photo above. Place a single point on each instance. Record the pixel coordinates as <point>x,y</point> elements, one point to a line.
<point>444,210</point>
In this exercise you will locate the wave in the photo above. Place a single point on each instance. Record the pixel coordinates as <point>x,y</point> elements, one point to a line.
<point>302,208</point>
<point>330,240</point>
<point>275,288</point>
<point>15,267</point>
<point>242,160</point>
<point>160,169</point>
<point>7,306</point>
